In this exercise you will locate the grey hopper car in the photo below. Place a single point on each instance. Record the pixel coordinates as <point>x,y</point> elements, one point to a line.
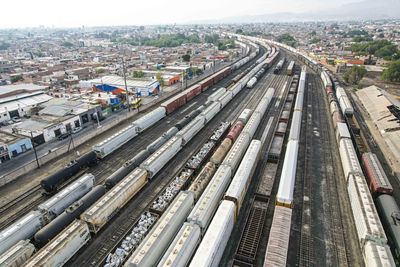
<point>56,205</point>
<point>48,232</point>
<point>17,255</point>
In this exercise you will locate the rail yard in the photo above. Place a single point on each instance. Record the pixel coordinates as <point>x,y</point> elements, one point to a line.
<point>258,164</point>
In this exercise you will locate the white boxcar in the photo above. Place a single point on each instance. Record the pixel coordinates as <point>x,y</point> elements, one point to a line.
<point>183,247</point>
<point>158,159</point>
<point>214,242</point>
<point>284,197</point>
<point>342,131</point>
<point>278,241</point>
<point>251,126</point>
<point>344,102</point>
<point>211,111</point>
<point>208,202</point>
<point>149,119</point>
<point>265,100</point>
<point>236,88</point>
<point>62,247</point>
<point>109,204</point>
<point>22,229</point>
<point>298,105</point>
<point>241,181</point>
<point>368,224</point>
<point>377,255</point>
<point>112,143</point>
<point>245,115</point>
<point>237,151</point>
<point>225,98</point>
<point>54,206</point>
<point>190,130</point>
<point>251,83</point>
<point>156,242</point>
<point>348,158</point>
<point>216,95</point>
<point>18,254</point>
<point>295,127</point>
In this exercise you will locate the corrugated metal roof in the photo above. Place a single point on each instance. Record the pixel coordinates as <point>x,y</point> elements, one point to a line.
<point>119,82</point>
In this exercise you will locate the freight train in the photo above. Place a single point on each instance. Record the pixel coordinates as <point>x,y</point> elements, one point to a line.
<point>109,145</point>
<point>175,243</point>
<point>94,218</point>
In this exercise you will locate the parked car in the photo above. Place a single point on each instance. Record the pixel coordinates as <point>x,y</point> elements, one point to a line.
<point>63,136</point>
<point>16,119</point>
<point>76,130</point>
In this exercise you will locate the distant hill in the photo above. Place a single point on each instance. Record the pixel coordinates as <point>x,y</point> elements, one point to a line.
<point>364,10</point>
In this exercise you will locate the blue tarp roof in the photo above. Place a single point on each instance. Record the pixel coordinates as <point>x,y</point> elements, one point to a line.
<point>106,87</point>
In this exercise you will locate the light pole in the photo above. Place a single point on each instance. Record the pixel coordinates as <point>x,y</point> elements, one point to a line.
<point>34,149</point>
<point>126,86</point>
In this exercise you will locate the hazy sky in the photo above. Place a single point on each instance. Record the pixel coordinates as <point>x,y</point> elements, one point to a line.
<point>73,13</point>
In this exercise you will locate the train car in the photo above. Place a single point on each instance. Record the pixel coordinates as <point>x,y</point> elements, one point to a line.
<point>245,115</point>
<point>54,206</point>
<point>368,225</point>
<point>219,154</point>
<point>235,154</point>
<point>377,255</point>
<point>149,119</point>
<point>112,143</point>
<point>18,254</point>
<point>235,130</point>
<point>250,84</point>
<point>108,205</point>
<point>279,66</point>
<point>206,83</point>
<point>220,132</point>
<point>295,126</point>
<point>151,249</point>
<point>208,202</point>
<point>175,186</point>
<point>327,82</point>
<point>201,156</point>
<point>202,179</point>
<point>240,183</point>
<point>284,197</point>
<point>278,241</point>
<point>377,180</point>
<point>390,215</point>
<point>126,168</point>
<point>216,95</point>
<point>225,98</point>
<point>63,247</point>
<point>174,103</point>
<point>22,229</point>
<point>50,230</point>
<point>182,247</point>
<point>192,92</point>
<point>251,126</point>
<point>290,68</point>
<point>158,159</point>
<point>190,130</point>
<point>348,158</point>
<point>215,239</point>
<point>210,111</point>
<point>344,102</point>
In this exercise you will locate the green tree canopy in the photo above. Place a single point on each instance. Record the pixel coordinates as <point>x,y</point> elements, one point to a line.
<point>380,48</point>
<point>4,46</point>
<point>138,74</point>
<point>392,73</point>
<point>186,58</point>
<point>355,74</point>
<point>172,40</point>
<point>287,39</point>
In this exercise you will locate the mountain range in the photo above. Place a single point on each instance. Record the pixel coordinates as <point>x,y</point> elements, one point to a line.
<point>363,10</point>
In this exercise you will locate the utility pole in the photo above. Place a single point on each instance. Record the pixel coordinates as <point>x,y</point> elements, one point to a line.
<point>126,86</point>
<point>34,149</point>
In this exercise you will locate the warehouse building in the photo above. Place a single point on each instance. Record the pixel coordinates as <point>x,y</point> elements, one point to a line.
<point>12,145</point>
<point>116,85</point>
<point>20,100</point>
<point>384,111</point>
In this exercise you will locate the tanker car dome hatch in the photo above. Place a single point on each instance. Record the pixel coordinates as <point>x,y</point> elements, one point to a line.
<point>396,217</point>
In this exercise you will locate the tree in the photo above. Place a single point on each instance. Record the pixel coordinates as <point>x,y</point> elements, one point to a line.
<point>138,74</point>
<point>100,71</point>
<point>355,74</point>
<point>239,31</point>
<point>4,46</point>
<point>16,78</point>
<point>160,79</point>
<point>315,40</point>
<point>67,44</point>
<point>212,39</point>
<point>287,39</point>
<point>313,33</point>
<point>186,58</point>
<point>392,73</point>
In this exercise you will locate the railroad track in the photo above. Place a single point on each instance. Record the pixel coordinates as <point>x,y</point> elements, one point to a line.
<point>101,244</point>
<point>305,257</point>
<point>30,199</point>
<point>335,215</point>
